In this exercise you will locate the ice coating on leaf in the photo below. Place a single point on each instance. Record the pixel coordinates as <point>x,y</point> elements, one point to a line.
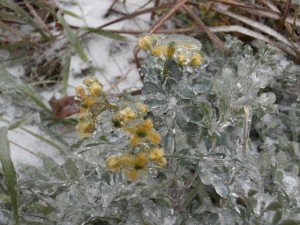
<point>183,49</point>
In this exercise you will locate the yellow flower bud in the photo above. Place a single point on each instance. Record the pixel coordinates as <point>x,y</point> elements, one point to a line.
<point>89,81</point>
<point>80,90</point>
<point>113,163</point>
<point>196,60</point>
<point>127,114</point>
<point>96,89</point>
<point>90,101</point>
<point>145,42</point>
<point>182,58</point>
<point>142,107</point>
<point>159,50</point>
<point>86,127</point>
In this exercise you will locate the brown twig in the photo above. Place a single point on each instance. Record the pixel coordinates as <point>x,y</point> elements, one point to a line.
<point>156,3</point>
<point>137,13</point>
<point>285,13</point>
<point>110,8</point>
<point>202,26</point>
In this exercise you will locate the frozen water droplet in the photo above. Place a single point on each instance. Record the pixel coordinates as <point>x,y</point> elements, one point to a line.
<point>204,64</point>
<point>248,52</point>
<point>153,172</point>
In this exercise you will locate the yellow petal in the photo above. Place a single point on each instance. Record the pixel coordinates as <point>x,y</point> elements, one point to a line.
<point>154,137</point>
<point>141,161</point>
<point>156,153</point>
<point>162,161</point>
<point>148,124</point>
<point>182,58</point>
<point>135,140</point>
<point>126,161</point>
<point>80,90</point>
<point>145,42</point>
<point>113,163</point>
<point>133,174</point>
<point>159,50</point>
<point>142,107</point>
<point>196,60</point>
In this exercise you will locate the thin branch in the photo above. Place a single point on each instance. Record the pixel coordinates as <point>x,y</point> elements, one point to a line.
<point>202,26</point>
<point>285,13</point>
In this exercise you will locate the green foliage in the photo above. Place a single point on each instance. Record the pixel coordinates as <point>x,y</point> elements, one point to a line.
<point>233,155</point>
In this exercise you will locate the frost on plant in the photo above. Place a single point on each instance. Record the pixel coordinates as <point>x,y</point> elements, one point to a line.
<point>204,144</point>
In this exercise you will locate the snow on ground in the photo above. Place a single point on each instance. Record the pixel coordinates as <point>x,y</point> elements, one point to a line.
<point>112,59</point>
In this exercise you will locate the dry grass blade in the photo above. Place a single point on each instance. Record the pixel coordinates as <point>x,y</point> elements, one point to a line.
<point>37,18</point>
<point>272,13</point>
<point>251,33</point>
<point>259,26</point>
<point>140,12</point>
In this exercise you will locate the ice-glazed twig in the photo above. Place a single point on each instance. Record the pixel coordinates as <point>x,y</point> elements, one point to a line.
<point>246,126</point>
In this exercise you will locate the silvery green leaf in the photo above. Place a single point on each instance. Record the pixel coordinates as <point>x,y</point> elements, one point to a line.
<point>71,169</point>
<point>171,85</point>
<point>150,88</point>
<point>188,127</point>
<point>217,176</point>
<point>174,71</point>
<point>202,86</point>
<point>194,113</point>
<point>267,98</point>
<point>186,92</point>
<point>169,141</point>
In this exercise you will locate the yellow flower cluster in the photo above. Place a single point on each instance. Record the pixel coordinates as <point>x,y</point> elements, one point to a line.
<point>142,135</point>
<point>130,113</point>
<point>88,96</point>
<point>135,165</point>
<point>186,51</point>
<point>143,132</point>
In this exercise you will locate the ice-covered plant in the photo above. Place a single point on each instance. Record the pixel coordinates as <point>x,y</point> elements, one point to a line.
<point>204,144</point>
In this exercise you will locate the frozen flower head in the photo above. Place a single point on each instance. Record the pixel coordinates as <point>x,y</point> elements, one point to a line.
<point>88,94</point>
<point>184,50</point>
<point>127,114</point>
<point>143,132</point>
<point>132,165</point>
<point>130,112</point>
